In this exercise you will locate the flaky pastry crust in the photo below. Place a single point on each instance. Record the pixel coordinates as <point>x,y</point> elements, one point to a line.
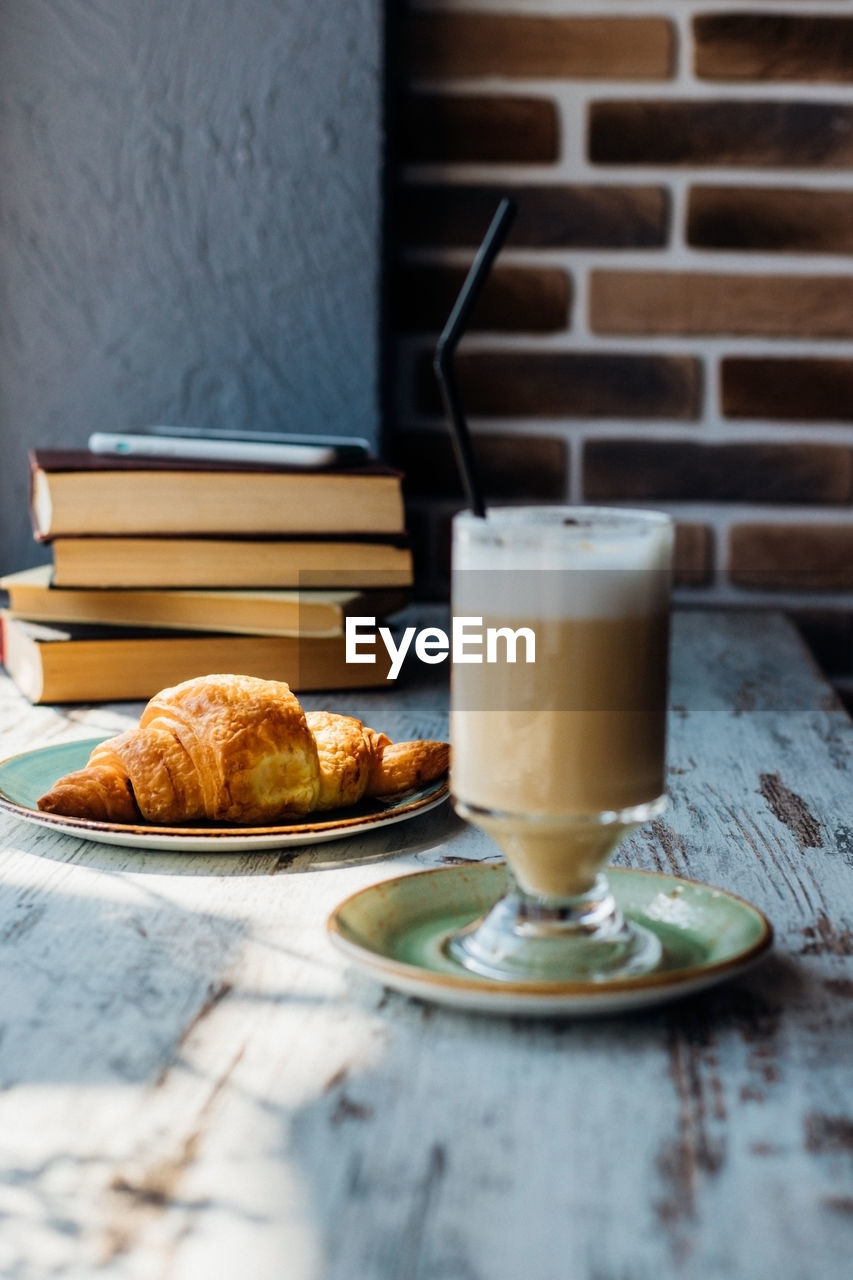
<point>236,749</point>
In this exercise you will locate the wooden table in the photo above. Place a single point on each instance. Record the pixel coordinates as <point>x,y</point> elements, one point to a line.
<point>194,1084</point>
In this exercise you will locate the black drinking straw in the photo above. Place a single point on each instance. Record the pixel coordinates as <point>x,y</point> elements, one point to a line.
<point>447,343</point>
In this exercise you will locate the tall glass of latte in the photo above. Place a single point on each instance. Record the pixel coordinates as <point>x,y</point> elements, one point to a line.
<point>558,719</point>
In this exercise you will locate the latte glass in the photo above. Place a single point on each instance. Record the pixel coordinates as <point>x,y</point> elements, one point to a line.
<point>559,757</point>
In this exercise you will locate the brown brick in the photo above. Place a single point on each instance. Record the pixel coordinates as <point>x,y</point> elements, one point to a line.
<point>773,46</point>
<point>514,299</point>
<point>533,468</point>
<point>461,45</point>
<point>547,217</point>
<point>658,470</point>
<point>645,302</point>
<point>693,558</point>
<point>730,133</point>
<point>800,557</point>
<point>770,219</point>
<point>569,385</point>
<point>447,128</point>
<point>790,389</point>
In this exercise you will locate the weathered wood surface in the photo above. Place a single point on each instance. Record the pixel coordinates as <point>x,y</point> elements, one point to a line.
<point>194,1084</point>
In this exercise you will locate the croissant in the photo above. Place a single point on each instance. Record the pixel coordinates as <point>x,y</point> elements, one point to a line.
<point>236,749</point>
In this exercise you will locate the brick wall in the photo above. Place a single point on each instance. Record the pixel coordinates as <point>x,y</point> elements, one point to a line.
<point>670,321</point>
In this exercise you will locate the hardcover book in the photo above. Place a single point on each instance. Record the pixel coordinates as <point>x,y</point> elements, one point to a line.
<point>327,563</point>
<point>32,595</point>
<point>77,663</point>
<point>75,492</point>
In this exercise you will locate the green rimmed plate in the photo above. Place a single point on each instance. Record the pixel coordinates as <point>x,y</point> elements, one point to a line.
<point>394,931</point>
<point>25,777</point>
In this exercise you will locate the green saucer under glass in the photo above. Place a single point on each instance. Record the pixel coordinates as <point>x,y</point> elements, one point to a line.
<point>397,932</point>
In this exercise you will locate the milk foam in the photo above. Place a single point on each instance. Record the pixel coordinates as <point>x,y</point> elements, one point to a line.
<point>528,562</point>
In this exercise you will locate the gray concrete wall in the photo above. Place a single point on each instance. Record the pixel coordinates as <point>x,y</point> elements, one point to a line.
<point>189,222</point>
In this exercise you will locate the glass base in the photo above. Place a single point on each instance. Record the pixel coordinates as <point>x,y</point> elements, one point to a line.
<point>585,938</point>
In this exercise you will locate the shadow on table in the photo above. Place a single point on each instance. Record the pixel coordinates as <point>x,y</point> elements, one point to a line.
<point>439,1157</point>
<point>101,983</point>
<point>416,835</point>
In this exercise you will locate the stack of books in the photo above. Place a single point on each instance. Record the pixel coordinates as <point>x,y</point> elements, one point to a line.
<point>163,569</point>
